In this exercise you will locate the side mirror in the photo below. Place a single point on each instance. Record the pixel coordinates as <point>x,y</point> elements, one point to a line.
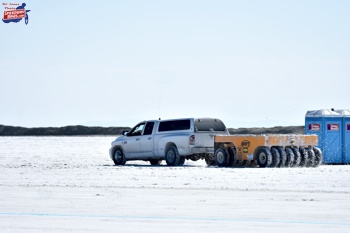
<point>125,133</point>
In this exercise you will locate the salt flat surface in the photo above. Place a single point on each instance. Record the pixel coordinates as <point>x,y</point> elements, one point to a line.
<point>65,184</point>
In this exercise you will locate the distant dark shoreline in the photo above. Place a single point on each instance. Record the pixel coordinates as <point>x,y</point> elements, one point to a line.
<point>79,130</point>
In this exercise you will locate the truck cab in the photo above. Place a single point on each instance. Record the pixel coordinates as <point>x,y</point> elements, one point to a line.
<point>172,140</point>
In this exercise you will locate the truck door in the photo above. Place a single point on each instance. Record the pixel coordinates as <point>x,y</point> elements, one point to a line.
<point>146,140</point>
<point>131,144</point>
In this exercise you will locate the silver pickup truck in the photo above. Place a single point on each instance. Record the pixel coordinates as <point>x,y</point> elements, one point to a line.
<point>170,140</point>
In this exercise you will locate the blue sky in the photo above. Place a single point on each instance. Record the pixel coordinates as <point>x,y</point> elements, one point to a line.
<point>249,63</point>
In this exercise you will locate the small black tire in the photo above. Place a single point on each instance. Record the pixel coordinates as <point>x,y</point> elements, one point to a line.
<point>118,157</point>
<point>155,162</point>
<point>297,157</point>
<point>172,156</point>
<point>221,157</point>
<point>290,157</point>
<point>264,157</point>
<point>318,157</point>
<point>275,157</point>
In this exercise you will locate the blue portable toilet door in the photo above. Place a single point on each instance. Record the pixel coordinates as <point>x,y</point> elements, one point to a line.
<point>346,140</point>
<point>332,147</point>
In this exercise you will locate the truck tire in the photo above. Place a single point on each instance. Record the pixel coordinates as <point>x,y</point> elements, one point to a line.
<point>318,157</point>
<point>275,157</point>
<point>221,157</point>
<point>264,157</point>
<point>118,157</point>
<point>155,161</point>
<point>172,156</point>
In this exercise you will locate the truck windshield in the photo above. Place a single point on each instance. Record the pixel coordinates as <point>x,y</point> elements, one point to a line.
<point>209,125</point>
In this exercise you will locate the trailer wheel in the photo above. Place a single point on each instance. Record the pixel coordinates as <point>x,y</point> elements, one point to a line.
<point>264,157</point>
<point>172,156</point>
<point>311,157</point>
<point>283,157</point>
<point>221,157</point>
<point>231,156</point>
<point>275,157</point>
<point>209,160</point>
<point>297,157</point>
<point>290,157</point>
<point>304,157</point>
<point>318,157</point>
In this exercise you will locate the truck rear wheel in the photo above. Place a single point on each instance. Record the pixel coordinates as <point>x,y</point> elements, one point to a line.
<point>264,157</point>
<point>172,156</point>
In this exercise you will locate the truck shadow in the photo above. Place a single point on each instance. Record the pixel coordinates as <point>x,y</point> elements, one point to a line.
<point>146,165</point>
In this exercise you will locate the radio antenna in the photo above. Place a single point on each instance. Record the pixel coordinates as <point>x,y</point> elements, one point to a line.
<point>160,100</point>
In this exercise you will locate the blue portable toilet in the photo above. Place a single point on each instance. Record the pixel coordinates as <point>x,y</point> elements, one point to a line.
<point>346,134</point>
<point>327,125</point>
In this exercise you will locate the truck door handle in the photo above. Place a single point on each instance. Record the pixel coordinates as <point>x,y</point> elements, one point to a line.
<point>137,139</point>
<point>149,138</point>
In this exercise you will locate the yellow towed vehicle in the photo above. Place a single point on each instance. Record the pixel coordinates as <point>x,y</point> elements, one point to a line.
<point>268,150</point>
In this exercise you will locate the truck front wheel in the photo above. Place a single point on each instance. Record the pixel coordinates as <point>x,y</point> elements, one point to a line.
<point>172,156</point>
<point>118,157</point>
